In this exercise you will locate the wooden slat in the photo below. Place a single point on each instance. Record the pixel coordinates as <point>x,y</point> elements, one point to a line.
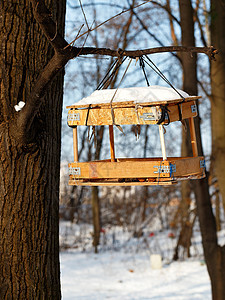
<point>128,115</point>
<point>162,142</point>
<point>111,139</point>
<point>101,183</point>
<point>189,167</point>
<point>193,137</point>
<point>137,169</point>
<point>75,144</point>
<point>132,159</point>
<point>119,169</point>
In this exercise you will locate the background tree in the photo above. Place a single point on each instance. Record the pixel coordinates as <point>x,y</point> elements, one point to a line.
<point>212,250</point>
<point>218,93</point>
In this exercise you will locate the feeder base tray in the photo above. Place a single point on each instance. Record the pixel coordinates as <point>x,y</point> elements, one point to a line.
<point>136,171</point>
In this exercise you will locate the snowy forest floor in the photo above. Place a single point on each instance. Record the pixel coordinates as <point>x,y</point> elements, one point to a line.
<point>122,269</point>
<point>123,276</point>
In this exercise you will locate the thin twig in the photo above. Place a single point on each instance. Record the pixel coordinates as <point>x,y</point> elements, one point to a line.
<point>81,6</point>
<point>78,33</point>
<point>99,25</point>
<point>85,40</point>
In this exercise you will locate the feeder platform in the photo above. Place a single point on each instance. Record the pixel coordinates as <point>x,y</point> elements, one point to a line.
<point>135,171</point>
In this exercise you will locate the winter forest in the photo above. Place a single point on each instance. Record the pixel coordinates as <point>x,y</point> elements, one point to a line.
<point>64,240</point>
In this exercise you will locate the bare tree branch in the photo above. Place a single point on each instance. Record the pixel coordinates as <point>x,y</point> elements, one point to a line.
<point>210,51</point>
<point>47,24</point>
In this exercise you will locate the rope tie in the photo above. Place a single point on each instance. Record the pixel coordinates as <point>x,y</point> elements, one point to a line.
<point>164,115</point>
<point>179,111</point>
<point>136,111</point>
<point>89,107</point>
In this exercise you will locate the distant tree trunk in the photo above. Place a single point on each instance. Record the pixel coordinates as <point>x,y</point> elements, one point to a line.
<point>218,93</point>
<point>214,254</point>
<point>96,217</point>
<point>29,169</point>
<point>96,205</point>
<point>217,202</point>
<point>184,207</point>
<point>185,236</point>
<point>145,189</point>
<point>190,86</point>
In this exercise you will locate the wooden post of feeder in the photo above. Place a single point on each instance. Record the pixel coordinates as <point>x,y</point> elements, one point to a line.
<point>75,144</point>
<point>162,141</point>
<point>111,139</point>
<point>193,137</point>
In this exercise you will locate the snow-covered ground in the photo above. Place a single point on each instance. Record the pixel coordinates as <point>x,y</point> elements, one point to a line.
<point>122,270</point>
<point>124,276</point>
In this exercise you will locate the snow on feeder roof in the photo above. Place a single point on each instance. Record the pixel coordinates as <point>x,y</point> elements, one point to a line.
<point>136,94</point>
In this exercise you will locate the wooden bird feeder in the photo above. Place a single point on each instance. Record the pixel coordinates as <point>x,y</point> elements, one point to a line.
<point>142,110</point>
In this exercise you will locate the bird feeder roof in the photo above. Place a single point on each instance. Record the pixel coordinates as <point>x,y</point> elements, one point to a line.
<point>135,95</point>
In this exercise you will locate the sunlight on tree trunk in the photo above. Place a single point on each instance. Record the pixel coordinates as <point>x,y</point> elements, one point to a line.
<point>218,93</point>
<point>29,172</point>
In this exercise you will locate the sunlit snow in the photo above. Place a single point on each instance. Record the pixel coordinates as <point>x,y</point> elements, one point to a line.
<point>136,94</point>
<point>123,270</point>
<point>125,276</point>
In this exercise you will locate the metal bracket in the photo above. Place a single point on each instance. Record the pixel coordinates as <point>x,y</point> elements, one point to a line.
<point>148,117</point>
<point>152,116</point>
<point>202,163</point>
<point>194,108</point>
<point>165,169</point>
<point>73,116</point>
<point>74,171</point>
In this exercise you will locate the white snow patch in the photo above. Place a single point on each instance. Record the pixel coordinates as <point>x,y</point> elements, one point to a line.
<point>19,106</point>
<point>125,276</point>
<point>153,93</point>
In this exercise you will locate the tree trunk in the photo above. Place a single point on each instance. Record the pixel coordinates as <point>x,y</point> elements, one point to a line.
<point>217,203</point>
<point>96,205</point>
<point>218,93</point>
<point>185,236</point>
<point>214,254</point>
<point>190,86</point>
<point>29,172</point>
<point>96,216</point>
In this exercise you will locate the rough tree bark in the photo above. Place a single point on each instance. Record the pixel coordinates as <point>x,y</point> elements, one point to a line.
<point>30,143</point>
<point>214,254</point>
<point>29,161</point>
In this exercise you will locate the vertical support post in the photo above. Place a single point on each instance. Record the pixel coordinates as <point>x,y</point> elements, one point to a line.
<point>111,139</point>
<point>75,144</point>
<point>193,137</point>
<point>162,141</point>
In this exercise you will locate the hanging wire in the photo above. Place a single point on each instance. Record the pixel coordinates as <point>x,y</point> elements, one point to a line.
<point>111,73</point>
<point>158,72</point>
<point>112,112</point>
<point>142,66</point>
